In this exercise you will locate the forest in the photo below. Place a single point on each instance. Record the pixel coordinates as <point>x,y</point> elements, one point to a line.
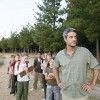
<point>51,20</point>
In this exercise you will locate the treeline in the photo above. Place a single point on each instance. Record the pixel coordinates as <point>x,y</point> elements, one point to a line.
<point>53,18</point>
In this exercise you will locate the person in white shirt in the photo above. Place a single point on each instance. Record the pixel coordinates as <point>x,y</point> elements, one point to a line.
<point>22,82</point>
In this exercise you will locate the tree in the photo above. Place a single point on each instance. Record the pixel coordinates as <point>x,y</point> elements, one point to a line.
<point>84,15</point>
<point>93,29</point>
<point>13,41</point>
<point>3,44</point>
<point>25,39</point>
<point>48,22</point>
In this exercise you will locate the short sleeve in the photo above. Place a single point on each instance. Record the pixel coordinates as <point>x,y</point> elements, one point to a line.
<point>92,61</point>
<point>56,62</point>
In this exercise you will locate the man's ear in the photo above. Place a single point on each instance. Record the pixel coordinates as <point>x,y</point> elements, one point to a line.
<point>65,39</point>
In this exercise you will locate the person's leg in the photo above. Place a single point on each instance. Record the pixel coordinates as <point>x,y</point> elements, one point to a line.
<point>56,91</point>
<point>13,85</point>
<point>35,80</point>
<point>49,93</point>
<point>9,80</point>
<point>19,90</point>
<point>25,91</point>
<point>44,84</point>
<point>40,77</point>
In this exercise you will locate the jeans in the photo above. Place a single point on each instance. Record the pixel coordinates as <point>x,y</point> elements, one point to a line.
<point>14,81</point>
<point>53,90</point>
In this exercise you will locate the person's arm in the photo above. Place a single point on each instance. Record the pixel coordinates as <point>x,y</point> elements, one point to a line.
<point>57,77</point>
<point>17,71</point>
<point>34,61</point>
<point>96,69</point>
<point>95,76</point>
<point>90,86</point>
<point>47,77</point>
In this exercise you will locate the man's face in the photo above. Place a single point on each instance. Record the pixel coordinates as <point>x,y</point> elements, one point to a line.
<point>71,39</point>
<point>17,58</point>
<point>39,55</point>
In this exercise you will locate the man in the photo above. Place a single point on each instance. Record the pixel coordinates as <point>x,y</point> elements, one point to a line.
<point>73,61</point>
<point>37,70</point>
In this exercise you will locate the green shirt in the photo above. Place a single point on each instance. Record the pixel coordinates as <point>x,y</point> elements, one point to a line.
<point>50,82</point>
<point>74,70</point>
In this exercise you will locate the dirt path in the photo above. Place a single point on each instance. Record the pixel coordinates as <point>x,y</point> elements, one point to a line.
<point>33,95</point>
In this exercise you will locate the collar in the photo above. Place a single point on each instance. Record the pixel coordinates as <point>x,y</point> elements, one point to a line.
<point>73,51</point>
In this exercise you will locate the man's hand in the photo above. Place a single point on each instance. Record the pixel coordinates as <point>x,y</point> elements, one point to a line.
<point>61,85</point>
<point>87,87</point>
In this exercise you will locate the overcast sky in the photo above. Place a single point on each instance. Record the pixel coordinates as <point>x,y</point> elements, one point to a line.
<point>14,14</point>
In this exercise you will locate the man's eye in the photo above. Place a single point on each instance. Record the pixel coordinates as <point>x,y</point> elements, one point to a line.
<point>71,37</point>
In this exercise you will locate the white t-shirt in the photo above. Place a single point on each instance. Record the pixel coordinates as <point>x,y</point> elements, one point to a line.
<point>20,69</point>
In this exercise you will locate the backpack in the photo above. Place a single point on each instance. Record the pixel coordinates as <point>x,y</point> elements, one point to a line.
<point>37,65</point>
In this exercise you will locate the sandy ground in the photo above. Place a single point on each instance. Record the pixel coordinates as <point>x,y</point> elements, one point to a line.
<point>5,92</point>
<point>33,94</point>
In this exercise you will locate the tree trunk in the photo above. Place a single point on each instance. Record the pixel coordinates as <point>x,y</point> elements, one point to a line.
<point>4,50</point>
<point>24,49</point>
<point>35,50</point>
<point>15,49</point>
<point>39,48</point>
<point>97,50</point>
<point>28,50</point>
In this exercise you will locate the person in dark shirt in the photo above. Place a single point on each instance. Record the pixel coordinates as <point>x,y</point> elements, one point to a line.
<point>52,88</point>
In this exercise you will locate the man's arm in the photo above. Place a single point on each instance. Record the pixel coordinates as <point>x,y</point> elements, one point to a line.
<point>95,76</point>
<point>56,74</point>
<point>90,86</point>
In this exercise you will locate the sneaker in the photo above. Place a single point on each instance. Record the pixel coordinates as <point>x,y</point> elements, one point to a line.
<point>42,89</point>
<point>12,94</point>
<point>31,89</point>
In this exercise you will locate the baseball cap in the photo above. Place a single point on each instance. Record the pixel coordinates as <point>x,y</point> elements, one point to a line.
<point>66,31</point>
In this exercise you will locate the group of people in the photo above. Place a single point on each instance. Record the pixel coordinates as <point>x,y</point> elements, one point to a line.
<point>18,84</point>
<point>69,83</point>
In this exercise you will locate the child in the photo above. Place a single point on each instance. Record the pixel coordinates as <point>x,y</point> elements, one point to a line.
<point>9,70</point>
<point>52,87</point>
<point>14,77</point>
<point>22,82</point>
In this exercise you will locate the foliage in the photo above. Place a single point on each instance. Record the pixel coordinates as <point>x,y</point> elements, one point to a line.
<point>48,23</point>
<point>46,33</point>
<point>13,41</point>
<point>25,38</point>
<point>3,44</point>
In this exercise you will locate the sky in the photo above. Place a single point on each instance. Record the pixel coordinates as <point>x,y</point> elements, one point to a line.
<point>14,14</point>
